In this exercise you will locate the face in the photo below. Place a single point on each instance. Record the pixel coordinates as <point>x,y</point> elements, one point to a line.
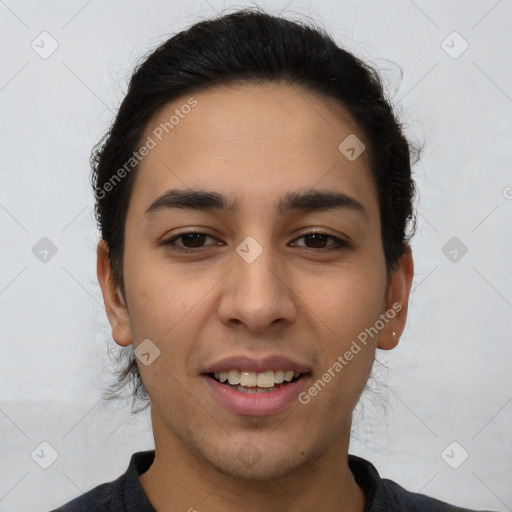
<point>280,267</point>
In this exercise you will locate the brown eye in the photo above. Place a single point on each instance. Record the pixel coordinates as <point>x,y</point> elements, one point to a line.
<point>195,239</point>
<point>192,241</point>
<point>316,240</point>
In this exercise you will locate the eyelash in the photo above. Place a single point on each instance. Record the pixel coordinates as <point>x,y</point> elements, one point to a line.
<point>341,244</point>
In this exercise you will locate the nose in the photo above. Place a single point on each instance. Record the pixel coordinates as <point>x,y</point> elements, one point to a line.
<point>257,293</point>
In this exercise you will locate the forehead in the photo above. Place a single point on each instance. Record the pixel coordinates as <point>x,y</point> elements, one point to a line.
<point>251,141</point>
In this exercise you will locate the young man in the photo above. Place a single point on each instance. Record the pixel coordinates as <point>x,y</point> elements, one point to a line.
<point>253,197</point>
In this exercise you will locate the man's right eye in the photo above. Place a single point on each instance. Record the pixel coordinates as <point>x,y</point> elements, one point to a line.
<point>189,237</point>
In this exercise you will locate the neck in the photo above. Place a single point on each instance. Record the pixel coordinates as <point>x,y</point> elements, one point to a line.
<point>178,480</point>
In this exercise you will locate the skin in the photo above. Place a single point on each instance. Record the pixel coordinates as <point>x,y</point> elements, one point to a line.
<point>300,298</point>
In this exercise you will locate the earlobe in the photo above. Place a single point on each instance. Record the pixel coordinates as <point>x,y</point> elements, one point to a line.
<point>388,339</point>
<point>115,306</point>
<point>397,301</point>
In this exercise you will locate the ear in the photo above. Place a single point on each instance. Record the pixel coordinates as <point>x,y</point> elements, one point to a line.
<point>117,311</point>
<point>397,301</point>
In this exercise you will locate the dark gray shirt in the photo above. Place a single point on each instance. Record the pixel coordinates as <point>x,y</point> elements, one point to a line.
<point>126,493</point>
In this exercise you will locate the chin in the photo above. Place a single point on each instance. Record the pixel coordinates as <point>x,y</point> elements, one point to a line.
<point>260,460</point>
<point>257,456</point>
<point>264,469</point>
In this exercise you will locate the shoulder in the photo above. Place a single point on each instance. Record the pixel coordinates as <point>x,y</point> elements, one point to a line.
<point>391,496</point>
<point>383,495</point>
<point>115,495</point>
<point>98,499</point>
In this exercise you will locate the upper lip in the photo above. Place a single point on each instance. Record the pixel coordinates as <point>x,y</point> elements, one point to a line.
<point>250,364</point>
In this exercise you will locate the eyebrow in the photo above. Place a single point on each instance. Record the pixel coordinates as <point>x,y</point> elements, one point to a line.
<point>306,201</point>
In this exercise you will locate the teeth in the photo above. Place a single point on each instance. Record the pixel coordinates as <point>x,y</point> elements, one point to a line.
<point>248,379</point>
<point>254,390</point>
<point>234,377</point>
<point>288,375</point>
<point>279,376</point>
<point>266,379</point>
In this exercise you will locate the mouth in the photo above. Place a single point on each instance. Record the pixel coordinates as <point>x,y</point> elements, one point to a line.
<point>255,393</point>
<point>256,382</point>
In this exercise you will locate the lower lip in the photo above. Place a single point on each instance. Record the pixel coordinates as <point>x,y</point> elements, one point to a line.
<point>256,404</point>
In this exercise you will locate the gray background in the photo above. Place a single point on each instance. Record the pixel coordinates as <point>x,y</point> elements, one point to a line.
<point>449,379</point>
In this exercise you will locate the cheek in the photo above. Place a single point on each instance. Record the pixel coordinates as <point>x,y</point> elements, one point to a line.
<point>168,307</point>
<point>347,308</point>
<point>348,299</point>
<point>160,293</point>
<point>355,304</point>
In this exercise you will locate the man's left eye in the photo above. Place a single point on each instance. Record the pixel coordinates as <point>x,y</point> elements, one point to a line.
<point>321,238</point>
